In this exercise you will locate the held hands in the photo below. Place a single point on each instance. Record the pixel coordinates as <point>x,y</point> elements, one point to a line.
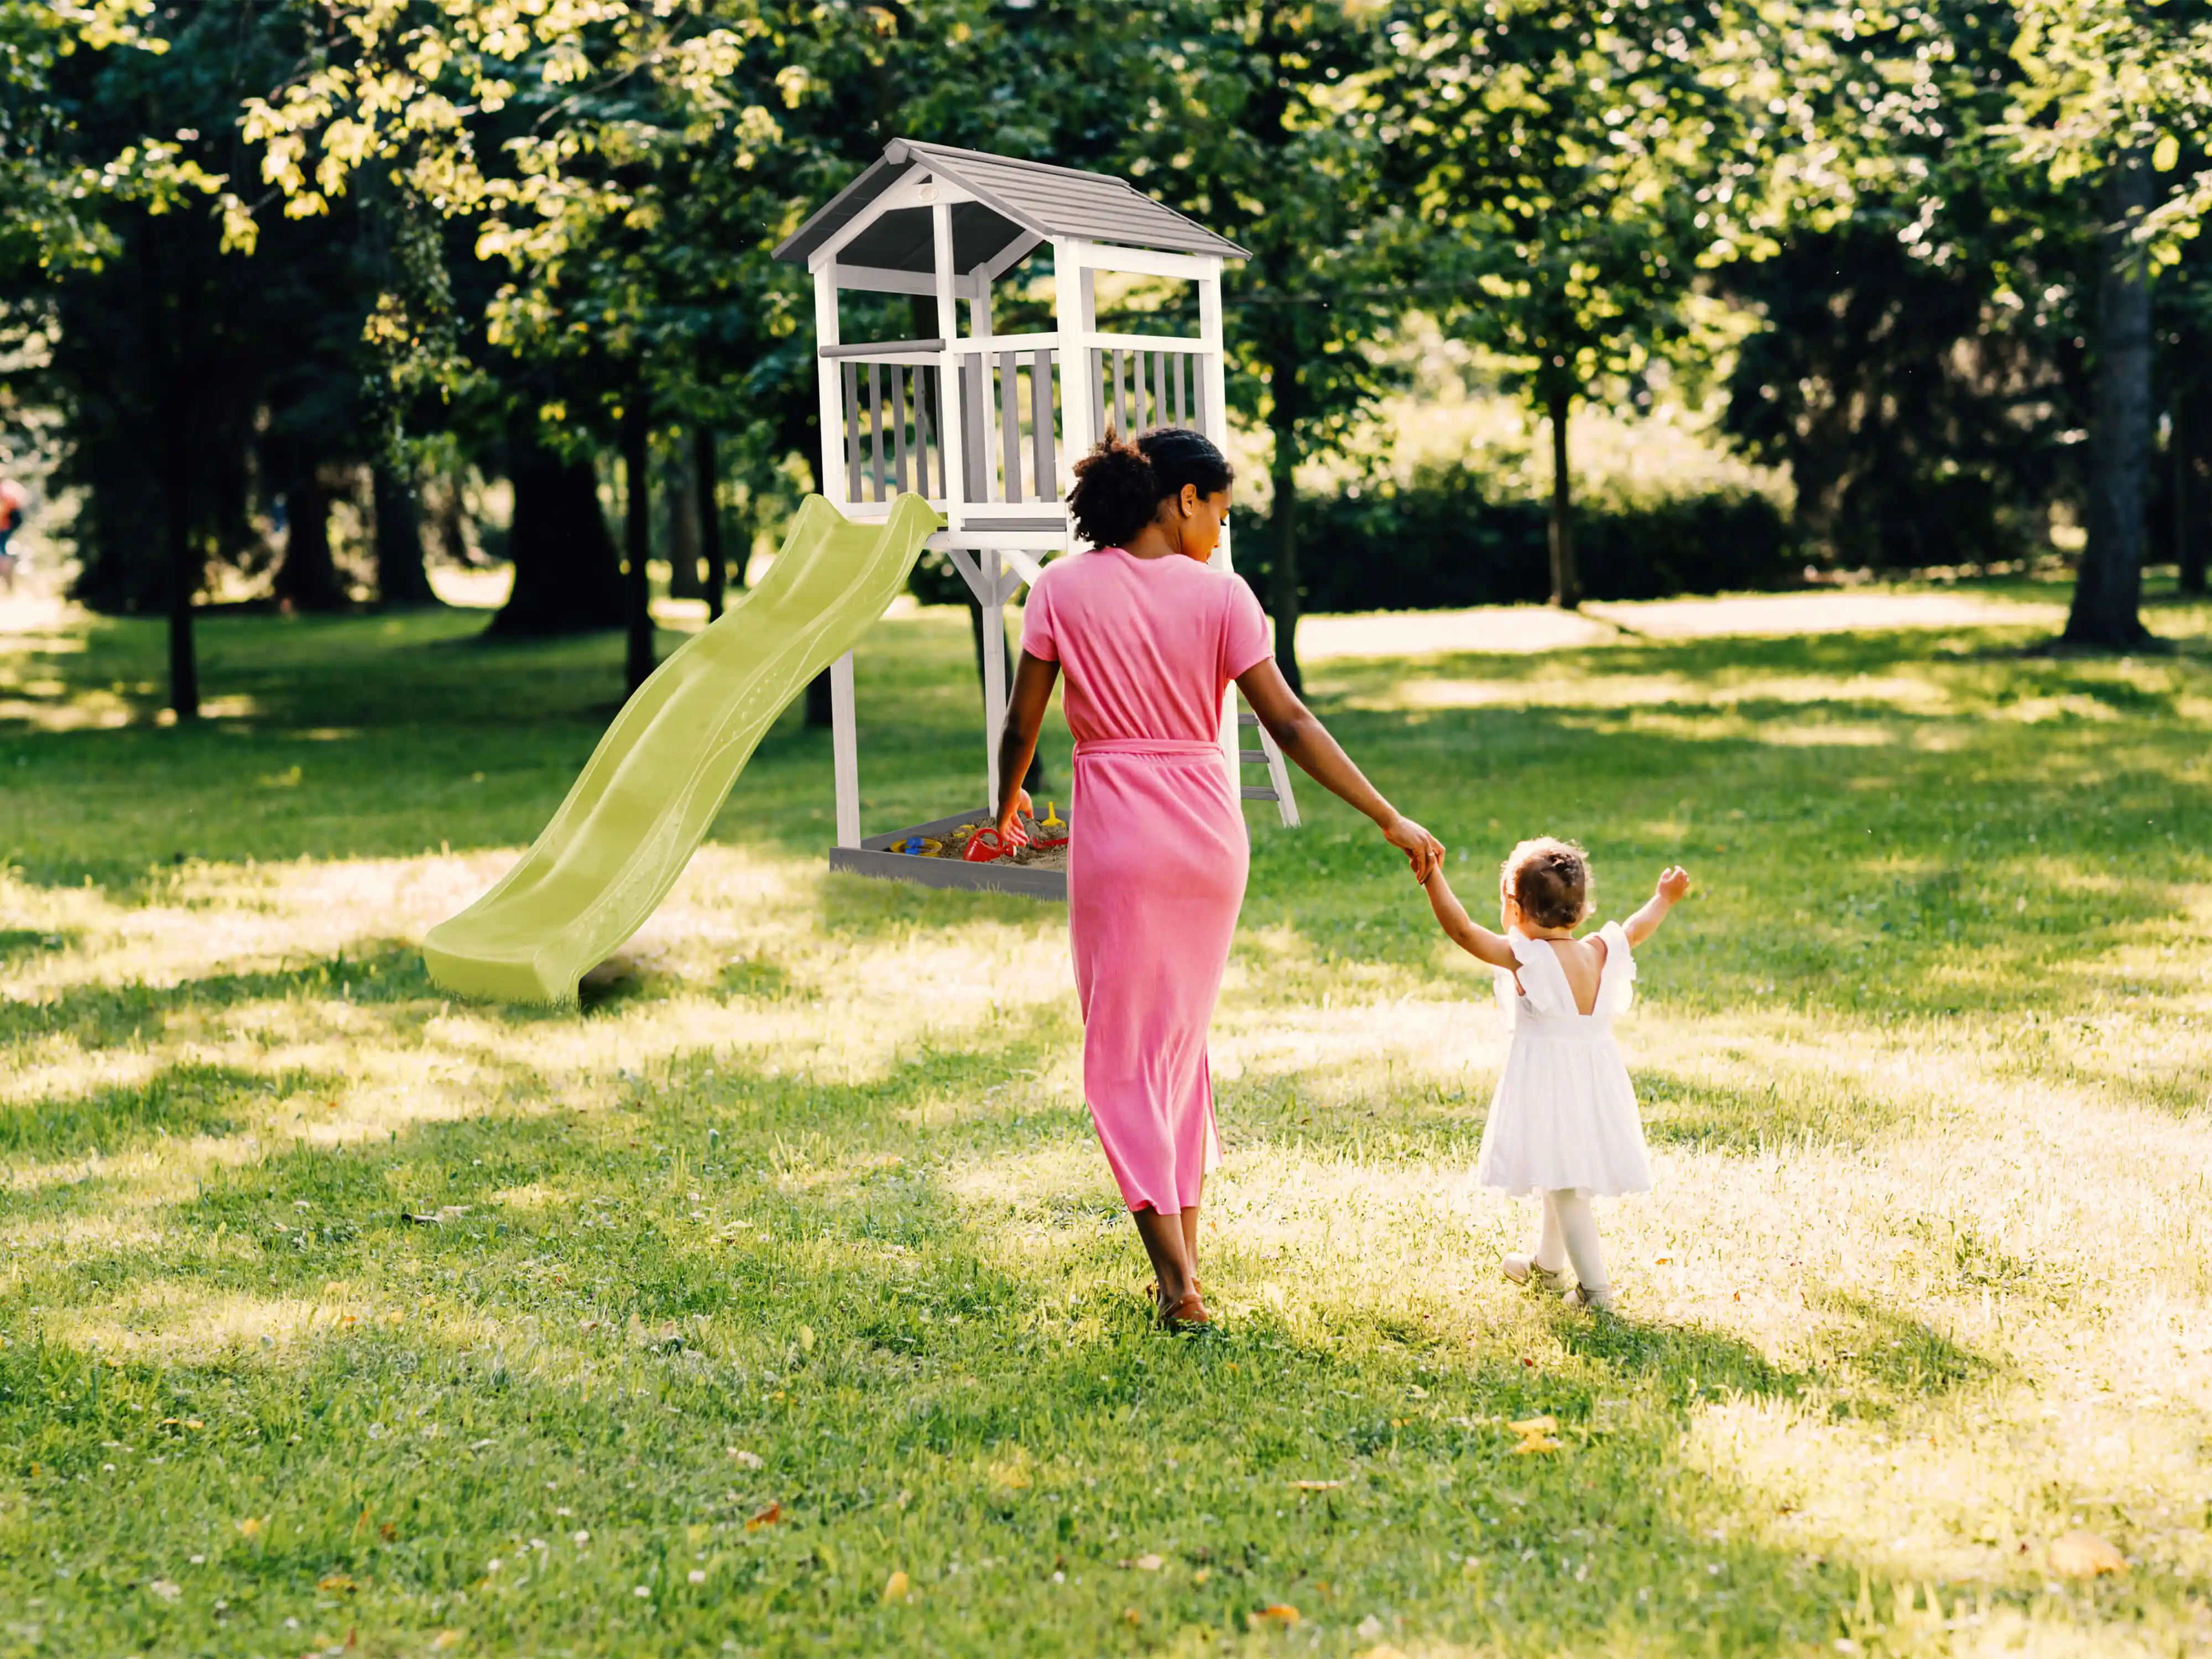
<point>1674,884</point>
<point>1423,851</point>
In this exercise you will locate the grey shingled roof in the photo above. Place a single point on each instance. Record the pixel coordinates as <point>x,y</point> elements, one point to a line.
<point>1014,198</point>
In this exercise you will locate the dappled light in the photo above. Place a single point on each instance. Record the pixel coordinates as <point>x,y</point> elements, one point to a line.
<point>802,1208</point>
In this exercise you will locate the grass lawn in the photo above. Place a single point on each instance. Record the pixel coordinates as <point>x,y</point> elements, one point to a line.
<point>780,1302</point>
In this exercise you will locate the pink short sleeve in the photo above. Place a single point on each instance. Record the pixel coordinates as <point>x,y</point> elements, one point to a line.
<point>1036,620</point>
<point>1243,631</point>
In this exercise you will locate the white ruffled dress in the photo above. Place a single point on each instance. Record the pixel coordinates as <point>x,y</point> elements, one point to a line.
<point>1565,1115</point>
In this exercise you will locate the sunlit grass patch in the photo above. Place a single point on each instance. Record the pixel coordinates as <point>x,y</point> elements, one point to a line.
<point>332,1306</point>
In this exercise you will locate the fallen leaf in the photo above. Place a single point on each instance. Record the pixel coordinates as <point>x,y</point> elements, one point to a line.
<point>388,1533</point>
<point>767,1517</point>
<point>896,1586</point>
<point>1201,1576</point>
<point>251,1526</point>
<point>2085,1555</point>
<point>1130,1615</point>
<point>1535,1443</point>
<point>446,1638</point>
<point>1315,1485</point>
<point>806,1338</point>
<point>1279,1613</point>
<point>1532,1425</point>
<point>336,1581</point>
<point>1148,1564</point>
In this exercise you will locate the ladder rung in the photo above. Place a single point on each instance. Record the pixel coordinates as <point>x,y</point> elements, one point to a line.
<point>1261,794</point>
<point>1253,756</point>
<point>1248,720</point>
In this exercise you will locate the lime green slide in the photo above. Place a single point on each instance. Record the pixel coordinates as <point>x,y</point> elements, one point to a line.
<point>645,797</point>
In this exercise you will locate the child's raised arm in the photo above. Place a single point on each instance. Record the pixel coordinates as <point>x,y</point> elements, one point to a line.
<point>1674,882</point>
<point>1471,936</point>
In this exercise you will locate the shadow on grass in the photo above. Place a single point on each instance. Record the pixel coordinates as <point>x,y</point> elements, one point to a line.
<point>1704,1116</point>
<point>180,1100</point>
<point>613,1305</point>
<point>97,1015</point>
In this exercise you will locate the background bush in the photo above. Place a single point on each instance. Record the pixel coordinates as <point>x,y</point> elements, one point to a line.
<point>1445,538</point>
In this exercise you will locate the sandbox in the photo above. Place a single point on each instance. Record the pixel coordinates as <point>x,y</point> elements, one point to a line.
<point>931,854</point>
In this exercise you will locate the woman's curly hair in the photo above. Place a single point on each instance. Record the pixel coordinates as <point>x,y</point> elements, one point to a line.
<point>1119,485</point>
<point>1550,880</point>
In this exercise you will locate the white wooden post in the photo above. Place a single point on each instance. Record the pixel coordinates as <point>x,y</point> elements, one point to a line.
<point>995,670</point>
<point>949,435</point>
<point>1070,281</point>
<point>979,328</point>
<point>1212,392</point>
<point>832,392</point>
<point>845,750</point>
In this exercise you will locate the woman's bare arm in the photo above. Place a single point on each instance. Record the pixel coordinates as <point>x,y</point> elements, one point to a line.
<point>1470,935</point>
<point>1034,679</point>
<point>1301,735</point>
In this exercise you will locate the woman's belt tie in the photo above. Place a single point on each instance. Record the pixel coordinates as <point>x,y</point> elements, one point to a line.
<point>1174,748</point>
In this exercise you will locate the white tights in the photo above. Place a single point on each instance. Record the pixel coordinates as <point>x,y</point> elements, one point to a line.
<point>1569,1234</point>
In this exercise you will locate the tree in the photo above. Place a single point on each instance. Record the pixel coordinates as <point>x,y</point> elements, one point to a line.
<point>2109,95</point>
<point>1577,164</point>
<point>1268,130</point>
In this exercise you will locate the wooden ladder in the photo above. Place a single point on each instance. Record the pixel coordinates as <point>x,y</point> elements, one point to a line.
<point>1278,786</point>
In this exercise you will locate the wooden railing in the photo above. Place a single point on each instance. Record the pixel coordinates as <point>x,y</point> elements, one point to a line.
<point>1011,408</point>
<point>1141,386</point>
<point>1010,431</point>
<point>892,443</point>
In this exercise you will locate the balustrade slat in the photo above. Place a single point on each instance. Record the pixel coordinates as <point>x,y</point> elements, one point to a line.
<point>1009,424</point>
<point>1045,472</point>
<point>922,396</point>
<point>977,464</point>
<point>876,429</point>
<point>1121,392</point>
<point>1098,419</point>
<point>1175,387</point>
<point>852,433</point>
<point>898,422</point>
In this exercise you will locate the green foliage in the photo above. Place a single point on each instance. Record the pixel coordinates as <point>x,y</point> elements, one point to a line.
<point>1577,167</point>
<point>1450,537</point>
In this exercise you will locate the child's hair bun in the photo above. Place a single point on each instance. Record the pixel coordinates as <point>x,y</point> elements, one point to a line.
<point>1116,492</point>
<point>1550,880</point>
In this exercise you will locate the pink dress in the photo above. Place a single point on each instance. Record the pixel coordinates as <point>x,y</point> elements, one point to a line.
<point>1156,855</point>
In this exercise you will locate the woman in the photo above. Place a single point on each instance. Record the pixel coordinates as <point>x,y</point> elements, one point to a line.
<point>1150,639</point>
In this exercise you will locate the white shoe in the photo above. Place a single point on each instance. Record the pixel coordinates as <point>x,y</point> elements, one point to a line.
<point>1582,1296</point>
<point>1522,1268</point>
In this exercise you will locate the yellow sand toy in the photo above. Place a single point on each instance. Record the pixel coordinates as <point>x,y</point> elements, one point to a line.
<point>652,787</point>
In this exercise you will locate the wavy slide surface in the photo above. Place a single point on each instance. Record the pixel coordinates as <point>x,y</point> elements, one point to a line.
<point>653,785</point>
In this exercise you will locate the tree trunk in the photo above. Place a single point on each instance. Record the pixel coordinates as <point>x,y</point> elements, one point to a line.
<point>1283,518</point>
<point>401,579</point>
<point>637,512</point>
<point>706,476</point>
<point>184,582</point>
<point>2108,591</point>
<point>1566,579</point>
<point>567,577</point>
<point>309,578</point>
<point>2188,510</point>
<point>679,492</point>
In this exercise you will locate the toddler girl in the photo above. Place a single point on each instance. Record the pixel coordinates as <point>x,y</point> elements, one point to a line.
<point>1563,1123</point>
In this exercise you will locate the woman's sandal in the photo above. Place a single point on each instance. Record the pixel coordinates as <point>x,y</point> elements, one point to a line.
<point>1188,1315</point>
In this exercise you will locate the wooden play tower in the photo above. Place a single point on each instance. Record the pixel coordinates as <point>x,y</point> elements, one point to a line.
<point>994,457</point>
